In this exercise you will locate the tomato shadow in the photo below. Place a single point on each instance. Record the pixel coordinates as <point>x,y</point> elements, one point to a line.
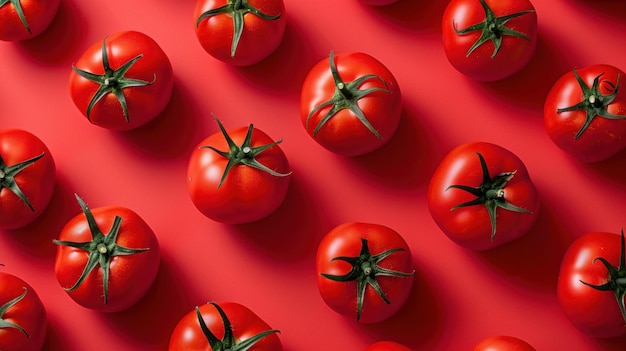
<point>611,170</point>
<point>410,14</point>
<point>616,344</point>
<point>609,9</point>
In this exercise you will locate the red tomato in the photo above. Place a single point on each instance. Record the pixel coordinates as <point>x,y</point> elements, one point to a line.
<point>122,82</point>
<point>481,196</point>
<point>387,346</point>
<point>350,103</point>
<point>364,271</point>
<point>503,343</point>
<point>592,284</point>
<point>489,40</point>
<point>27,178</point>
<point>238,176</point>
<point>585,113</point>
<point>22,316</point>
<point>240,32</point>
<point>25,19</point>
<point>107,258</point>
<point>222,327</point>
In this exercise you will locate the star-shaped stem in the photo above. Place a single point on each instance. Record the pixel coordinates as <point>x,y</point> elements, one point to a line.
<point>243,154</point>
<point>102,248</point>
<point>237,9</point>
<point>228,342</point>
<point>4,308</point>
<point>7,177</point>
<point>493,28</point>
<point>490,194</point>
<point>20,12</point>
<point>594,103</point>
<point>112,81</point>
<point>617,279</point>
<point>346,96</point>
<point>364,270</point>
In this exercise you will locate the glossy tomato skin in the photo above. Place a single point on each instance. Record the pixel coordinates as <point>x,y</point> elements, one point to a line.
<point>36,181</point>
<point>247,194</point>
<point>503,343</point>
<point>594,312</point>
<point>344,133</point>
<point>260,37</point>
<point>604,137</point>
<point>387,346</point>
<point>188,336</point>
<point>470,226</point>
<point>514,53</point>
<point>38,14</point>
<point>29,313</point>
<point>345,241</point>
<point>131,276</point>
<point>144,102</point>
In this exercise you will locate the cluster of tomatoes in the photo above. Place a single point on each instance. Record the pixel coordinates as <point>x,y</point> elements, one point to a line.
<point>481,195</point>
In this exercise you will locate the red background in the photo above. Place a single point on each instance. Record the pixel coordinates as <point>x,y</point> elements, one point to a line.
<point>459,296</point>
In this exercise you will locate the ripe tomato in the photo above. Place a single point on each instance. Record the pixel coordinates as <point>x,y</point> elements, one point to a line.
<point>122,82</point>
<point>350,103</point>
<point>22,316</point>
<point>387,346</point>
<point>585,113</point>
<point>481,196</point>
<point>240,32</point>
<point>592,284</point>
<point>489,40</point>
<point>238,176</point>
<point>27,178</point>
<point>503,343</point>
<point>20,20</point>
<point>222,327</point>
<point>364,271</point>
<point>107,258</point>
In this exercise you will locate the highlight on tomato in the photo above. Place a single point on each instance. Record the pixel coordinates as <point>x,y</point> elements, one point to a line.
<point>107,258</point>
<point>223,327</point>
<point>387,346</point>
<point>122,82</point>
<point>585,113</point>
<point>27,178</point>
<point>350,103</point>
<point>238,176</point>
<point>481,196</point>
<point>21,20</point>
<point>240,32</point>
<point>503,343</point>
<point>364,271</point>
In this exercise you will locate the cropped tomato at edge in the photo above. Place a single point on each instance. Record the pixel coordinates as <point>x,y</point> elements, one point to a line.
<point>503,343</point>
<point>21,20</point>
<point>387,346</point>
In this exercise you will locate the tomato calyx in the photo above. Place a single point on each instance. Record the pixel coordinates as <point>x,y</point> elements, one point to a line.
<point>346,96</point>
<point>112,81</point>
<point>18,9</point>
<point>594,103</point>
<point>364,270</point>
<point>7,177</point>
<point>617,278</point>
<point>102,248</point>
<point>493,29</point>
<point>228,342</point>
<point>5,307</point>
<point>237,9</point>
<point>243,154</point>
<point>490,193</point>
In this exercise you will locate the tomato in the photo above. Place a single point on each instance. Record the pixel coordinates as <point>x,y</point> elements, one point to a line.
<point>489,40</point>
<point>122,82</point>
<point>592,284</point>
<point>481,196</point>
<point>585,113</point>
<point>240,32</point>
<point>364,271</point>
<point>22,316</point>
<point>238,176</point>
<point>503,343</point>
<point>27,178</point>
<point>387,346</point>
<point>350,103</point>
<point>107,258</point>
<point>222,327</point>
<point>25,19</point>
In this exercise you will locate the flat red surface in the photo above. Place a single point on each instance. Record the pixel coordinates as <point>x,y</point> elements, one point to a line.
<point>459,297</point>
